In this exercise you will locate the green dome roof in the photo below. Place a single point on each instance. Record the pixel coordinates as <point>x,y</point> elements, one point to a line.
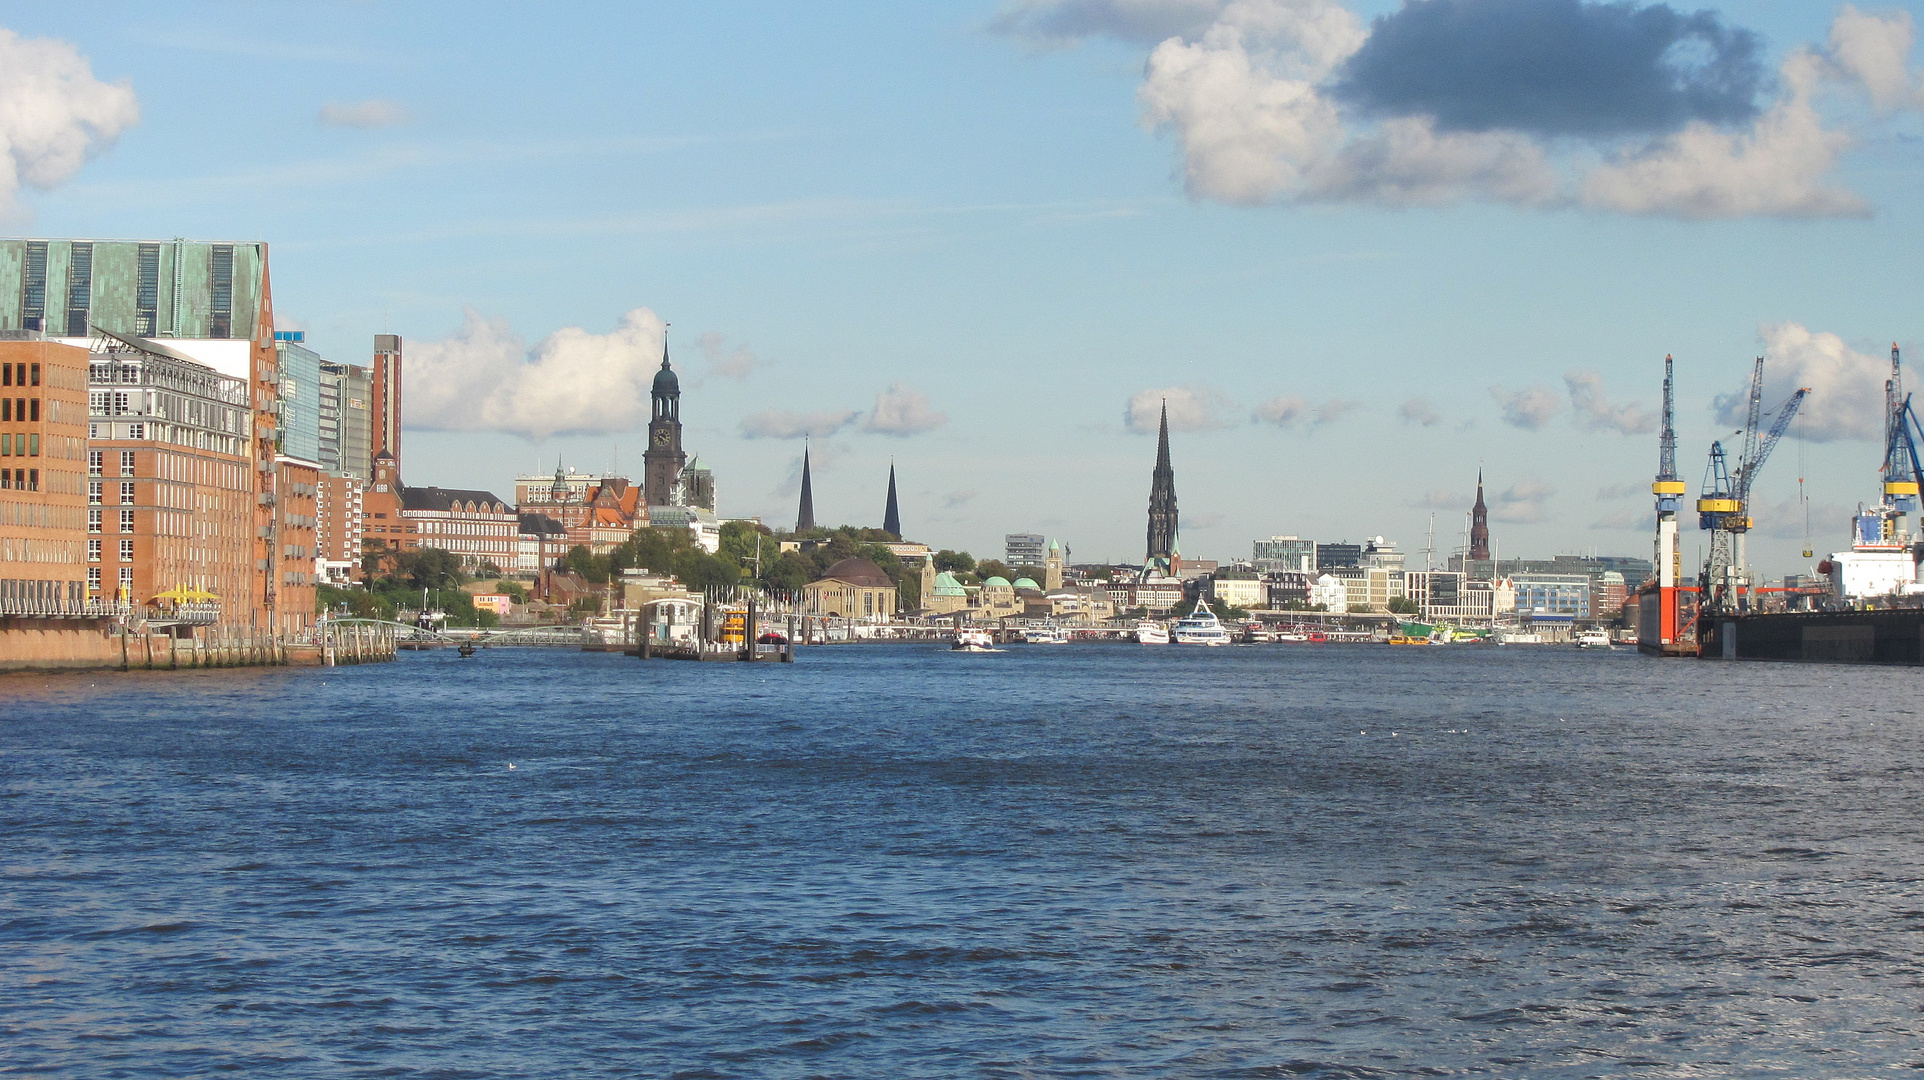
<point>1027,583</point>
<point>946,585</point>
<point>997,581</point>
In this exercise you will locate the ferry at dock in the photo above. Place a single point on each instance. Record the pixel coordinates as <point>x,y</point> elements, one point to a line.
<point>1152,633</point>
<point>1200,627</point>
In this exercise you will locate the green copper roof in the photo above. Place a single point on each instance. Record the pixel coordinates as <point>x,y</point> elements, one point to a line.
<point>997,582</point>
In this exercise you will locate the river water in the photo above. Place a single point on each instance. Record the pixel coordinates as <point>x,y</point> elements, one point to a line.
<point>893,861</point>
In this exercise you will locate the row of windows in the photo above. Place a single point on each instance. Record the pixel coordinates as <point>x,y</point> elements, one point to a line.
<point>97,461</point>
<point>126,551</point>
<point>96,492</point>
<point>19,374</point>
<point>20,479</point>
<point>94,520</point>
<point>126,580</point>
<point>27,443</point>
<point>25,410</point>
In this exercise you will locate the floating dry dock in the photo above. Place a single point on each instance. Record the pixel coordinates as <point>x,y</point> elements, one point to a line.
<point>1893,636</point>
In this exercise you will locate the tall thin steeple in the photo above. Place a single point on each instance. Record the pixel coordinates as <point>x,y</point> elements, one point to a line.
<point>892,516</point>
<point>1162,498</point>
<point>1479,523</point>
<point>805,517</point>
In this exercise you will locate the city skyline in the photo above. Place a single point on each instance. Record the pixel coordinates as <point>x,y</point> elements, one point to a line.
<point>967,254</point>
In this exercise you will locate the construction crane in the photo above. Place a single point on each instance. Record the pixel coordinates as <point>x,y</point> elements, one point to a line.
<point>1723,508</point>
<point>1662,629</point>
<point>1901,471</point>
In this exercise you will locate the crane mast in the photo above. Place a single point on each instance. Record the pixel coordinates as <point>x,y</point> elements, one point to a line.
<point>1723,507</point>
<point>1662,625</point>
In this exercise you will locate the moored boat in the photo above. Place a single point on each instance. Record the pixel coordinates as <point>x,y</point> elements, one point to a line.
<point>1592,639</point>
<point>1152,633</point>
<point>1046,635</point>
<point>1200,627</point>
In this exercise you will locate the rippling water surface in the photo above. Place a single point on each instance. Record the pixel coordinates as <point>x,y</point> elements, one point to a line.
<point>891,861</point>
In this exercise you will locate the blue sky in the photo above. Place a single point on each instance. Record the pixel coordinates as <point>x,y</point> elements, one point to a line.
<point>970,220</point>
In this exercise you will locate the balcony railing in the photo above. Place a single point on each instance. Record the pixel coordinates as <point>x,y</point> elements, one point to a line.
<point>57,609</point>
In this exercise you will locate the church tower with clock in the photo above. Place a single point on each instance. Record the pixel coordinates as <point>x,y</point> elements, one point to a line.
<point>664,460</point>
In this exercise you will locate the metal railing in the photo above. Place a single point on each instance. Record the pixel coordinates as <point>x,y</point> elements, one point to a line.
<point>62,609</point>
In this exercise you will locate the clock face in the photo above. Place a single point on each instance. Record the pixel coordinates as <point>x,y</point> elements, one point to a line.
<point>662,436</point>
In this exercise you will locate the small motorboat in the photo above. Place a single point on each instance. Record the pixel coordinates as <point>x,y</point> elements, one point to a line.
<point>972,640</point>
<point>1046,635</point>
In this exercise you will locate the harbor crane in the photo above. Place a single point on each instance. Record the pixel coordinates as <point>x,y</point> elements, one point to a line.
<point>1888,524</point>
<point>1723,508</point>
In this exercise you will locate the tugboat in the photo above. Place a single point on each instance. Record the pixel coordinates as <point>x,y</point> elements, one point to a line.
<point>1200,627</point>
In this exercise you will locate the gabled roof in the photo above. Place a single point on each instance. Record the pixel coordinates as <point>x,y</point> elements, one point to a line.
<point>443,499</point>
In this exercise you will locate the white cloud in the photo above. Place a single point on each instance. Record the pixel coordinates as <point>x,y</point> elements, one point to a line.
<point>1595,413</point>
<point>54,115</point>
<point>1287,410</point>
<point>372,113</point>
<point>1629,518</point>
<point>1846,386</point>
<point>1529,408</point>
<point>901,412</point>
<point>1066,22</point>
<point>1524,503</point>
<point>1440,499</point>
<point>737,363</point>
<point>1420,412</point>
<point>1191,408</point>
<point>485,378</point>
<point>1623,491</point>
<point>1776,169</point>
<point>1874,50</point>
<point>1244,88</point>
<point>955,500</point>
<point>782,424</point>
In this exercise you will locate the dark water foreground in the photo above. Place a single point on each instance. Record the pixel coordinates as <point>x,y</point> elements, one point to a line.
<point>891,861</point>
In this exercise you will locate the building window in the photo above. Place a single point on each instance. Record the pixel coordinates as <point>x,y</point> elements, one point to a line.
<point>93,580</point>
<point>33,479</point>
<point>126,491</point>
<point>126,521</point>
<point>96,462</point>
<point>136,431</point>
<point>93,551</point>
<point>6,444</point>
<point>126,551</point>
<point>80,287</point>
<point>126,463</point>
<point>33,445</point>
<point>33,409</point>
<point>221,301</point>
<point>93,493</point>
<point>120,404</point>
<point>127,581</point>
<point>93,521</point>
<point>33,287</point>
<point>147,291</point>
<point>36,375</point>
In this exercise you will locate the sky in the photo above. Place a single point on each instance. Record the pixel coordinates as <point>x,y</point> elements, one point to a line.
<point>1362,251</point>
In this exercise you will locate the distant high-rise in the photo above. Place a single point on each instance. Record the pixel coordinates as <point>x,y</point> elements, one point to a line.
<point>805,516</point>
<point>1479,523</point>
<point>1024,549</point>
<point>1162,498</point>
<point>385,416</point>
<point>892,515</point>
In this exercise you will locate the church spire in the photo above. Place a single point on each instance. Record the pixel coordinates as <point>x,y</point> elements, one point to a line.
<point>1162,498</point>
<point>892,516</point>
<point>805,516</point>
<point>1479,523</point>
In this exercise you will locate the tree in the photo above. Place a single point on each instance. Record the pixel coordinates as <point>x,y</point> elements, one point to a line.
<point>955,561</point>
<point>592,568</point>
<point>429,568</point>
<point>786,574</point>
<point>512,590</point>
<point>989,568</point>
<point>738,541</point>
<point>1403,605</point>
<point>1033,573</point>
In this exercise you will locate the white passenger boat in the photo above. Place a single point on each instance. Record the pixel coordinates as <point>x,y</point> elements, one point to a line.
<point>1592,639</point>
<point>1152,633</point>
<point>968,639</point>
<point>1046,635</point>
<point>1200,627</point>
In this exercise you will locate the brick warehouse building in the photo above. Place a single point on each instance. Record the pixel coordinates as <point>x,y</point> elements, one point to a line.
<point>43,455</point>
<point>211,302</point>
<point>170,493</point>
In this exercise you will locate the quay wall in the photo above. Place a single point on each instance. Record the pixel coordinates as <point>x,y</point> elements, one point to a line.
<point>51,644</point>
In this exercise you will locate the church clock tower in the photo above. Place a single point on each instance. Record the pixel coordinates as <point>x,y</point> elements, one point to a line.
<point>664,460</point>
